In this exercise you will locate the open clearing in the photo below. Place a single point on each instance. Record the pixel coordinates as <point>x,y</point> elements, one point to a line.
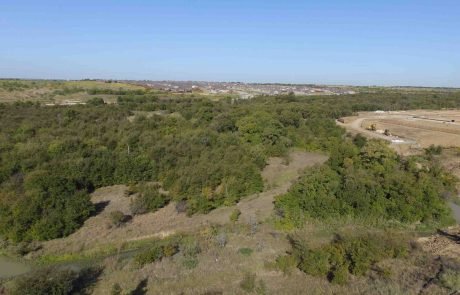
<point>60,92</point>
<point>96,231</point>
<point>409,129</point>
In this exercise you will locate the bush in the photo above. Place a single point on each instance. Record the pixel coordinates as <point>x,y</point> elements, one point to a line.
<point>54,281</point>
<point>116,289</point>
<point>450,279</point>
<point>248,283</point>
<point>315,262</point>
<point>190,262</point>
<point>235,215</point>
<point>433,150</point>
<point>150,255</point>
<point>149,199</point>
<point>370,182</point>
<point>96,101</point>
<point>286,263</point>
<point>157,251</point>
<point>181,206</point>
<point>245,251</point>
<point>339,275</point>
<point>221,239</point>
<point>117,218</point>
<point>346,255</point>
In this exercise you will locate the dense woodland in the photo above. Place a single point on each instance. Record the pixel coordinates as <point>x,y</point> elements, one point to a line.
<point>206,153</point>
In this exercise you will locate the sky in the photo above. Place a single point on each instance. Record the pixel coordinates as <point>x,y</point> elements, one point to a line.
<point>357,42</point>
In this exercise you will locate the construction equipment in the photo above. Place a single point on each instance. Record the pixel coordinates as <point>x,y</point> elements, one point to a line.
<point>372,127</point>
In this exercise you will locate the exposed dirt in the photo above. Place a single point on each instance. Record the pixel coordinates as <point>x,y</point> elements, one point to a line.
<point>445,244</point>
<point>415,129</point>
<point>96,230</point>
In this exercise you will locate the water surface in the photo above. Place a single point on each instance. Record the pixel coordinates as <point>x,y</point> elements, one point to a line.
<point>455,211</point>
<point>10,267</point>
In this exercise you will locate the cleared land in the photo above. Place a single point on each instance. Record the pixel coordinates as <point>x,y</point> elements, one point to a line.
<point>409,129</point>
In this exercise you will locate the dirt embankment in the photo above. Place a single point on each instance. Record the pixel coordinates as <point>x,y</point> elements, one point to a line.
<point>278,177</point>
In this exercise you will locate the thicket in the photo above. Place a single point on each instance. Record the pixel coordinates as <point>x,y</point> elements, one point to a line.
<point>371,182</point>
<point>205,153</point>
<point>347,255</point>
<point>55,281</point>
<point>148,199</point>
<point>188,246</point>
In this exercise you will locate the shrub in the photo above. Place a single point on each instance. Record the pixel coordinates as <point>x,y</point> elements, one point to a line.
<point>433,150</point>
<point>116,289</point>
<point>346,255</point>
<point>286,263</point>
<point>157,251</point>
<point>245,251</point>
<point>52,280</point>
<point>190,262</point>
<point>450,279</point>
<point>248,283</point>
<point>181,206</point>
<point>221,239</point>
<point>315,262</point>
<point>189,246</point>
<point>150,255</point>
<point>117,218</point>
<point>96,101</point>
<point>235,215</point>
<point>369,182</point>
<point>339,275</point>
<point>149,199</point>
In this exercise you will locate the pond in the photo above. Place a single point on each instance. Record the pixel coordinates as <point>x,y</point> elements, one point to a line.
<point>10,267</point>
<point>455,211</point>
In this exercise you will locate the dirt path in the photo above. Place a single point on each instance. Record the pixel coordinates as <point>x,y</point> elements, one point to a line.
<point>278,177</point>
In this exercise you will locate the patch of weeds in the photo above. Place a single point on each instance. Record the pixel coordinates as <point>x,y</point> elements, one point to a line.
<point>285,263</point>
<point>450,279</point>
<point>190,262</point>
<point>245,251</point>
<point>235,215</point>
<point>248,283</point>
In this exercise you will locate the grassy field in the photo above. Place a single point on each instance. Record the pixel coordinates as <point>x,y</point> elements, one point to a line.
<point>47,92</point>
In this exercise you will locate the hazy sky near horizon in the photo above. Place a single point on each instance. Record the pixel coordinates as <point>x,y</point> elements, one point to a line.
<point>363,42</point>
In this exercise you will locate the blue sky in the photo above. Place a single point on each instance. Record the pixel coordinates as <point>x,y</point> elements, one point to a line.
<point>359,42</point>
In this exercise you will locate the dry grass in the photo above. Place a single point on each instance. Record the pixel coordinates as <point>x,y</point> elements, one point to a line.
<point>44,91</point>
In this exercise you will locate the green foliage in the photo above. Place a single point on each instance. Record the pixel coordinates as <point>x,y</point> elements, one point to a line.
<point>190,262</point>
<point>347,255</point>
<point>450,278</point>
<point>235,215</point>
<point>154,253</point>
<point>433,150</point>
<point>245,251</point>
<point>370,182</point>
<point>116,289</point>
<point>96,101</point>
<point>117,218</point>
<point>157,251</point>
<point>205,153</point>
<point>286,263</point>
<point>149,199</point>
<point>248,284</point>
<point>54,281</point>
